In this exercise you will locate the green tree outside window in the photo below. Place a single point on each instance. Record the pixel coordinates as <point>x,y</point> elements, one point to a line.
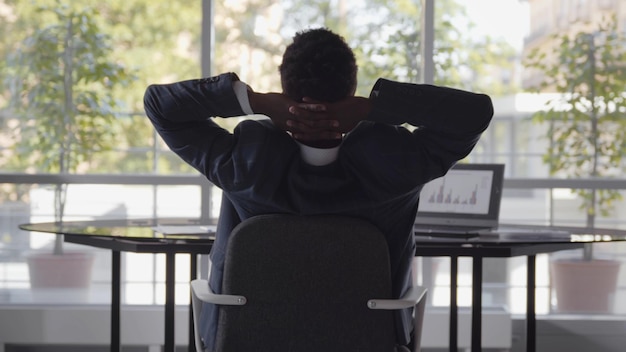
<point>586,125</point>
<point>61,81</point>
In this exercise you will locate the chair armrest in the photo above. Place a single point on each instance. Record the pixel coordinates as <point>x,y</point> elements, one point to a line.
<point>413,296</point>
<point>201,290</point>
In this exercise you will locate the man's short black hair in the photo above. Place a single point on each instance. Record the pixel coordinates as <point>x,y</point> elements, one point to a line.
<point>319,64</point>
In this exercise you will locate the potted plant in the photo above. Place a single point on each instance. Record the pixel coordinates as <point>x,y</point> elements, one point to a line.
<point>587,138</point>
<point>61,80</point>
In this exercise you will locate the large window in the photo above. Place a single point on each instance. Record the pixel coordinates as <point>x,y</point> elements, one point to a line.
<point>144,42</point>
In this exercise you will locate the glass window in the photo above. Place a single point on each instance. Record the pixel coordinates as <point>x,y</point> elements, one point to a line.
<point>71,102</point>
<point>527,127</point>
<point>133,43</point>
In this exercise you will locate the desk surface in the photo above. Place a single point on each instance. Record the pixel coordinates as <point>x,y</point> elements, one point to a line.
<point>508,234</point>
<point>192,230</point>
<point>147,230</point>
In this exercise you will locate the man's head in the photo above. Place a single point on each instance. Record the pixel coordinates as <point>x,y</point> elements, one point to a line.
<point>319,65</point>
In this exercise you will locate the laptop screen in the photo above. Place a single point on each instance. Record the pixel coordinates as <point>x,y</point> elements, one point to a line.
<point>469,194</point>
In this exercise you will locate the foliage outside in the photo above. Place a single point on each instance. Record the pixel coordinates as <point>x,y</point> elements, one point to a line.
<point>587,129</point>
<point>60,79</point>
<point>387,44</point>
<point>147,39</point>
<point>161,42</point>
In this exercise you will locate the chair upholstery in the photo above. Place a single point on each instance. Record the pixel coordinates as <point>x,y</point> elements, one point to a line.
<point>316,283</point>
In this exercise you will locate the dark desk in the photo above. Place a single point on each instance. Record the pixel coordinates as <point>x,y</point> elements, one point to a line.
<point>511,241</point>
<point>139,236</point>
<point>136,236</point>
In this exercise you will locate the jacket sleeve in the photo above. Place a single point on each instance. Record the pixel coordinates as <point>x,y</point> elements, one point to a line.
<point>437,108</point>
<point>181,113</point>
<point>448,123</point>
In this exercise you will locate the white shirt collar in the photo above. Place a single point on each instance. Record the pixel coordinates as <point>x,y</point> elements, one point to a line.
<point>318,156</point>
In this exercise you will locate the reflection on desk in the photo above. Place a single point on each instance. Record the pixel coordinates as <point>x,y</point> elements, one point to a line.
<point>531,234</point>
<point>132,229</point>
<point>184,230</point>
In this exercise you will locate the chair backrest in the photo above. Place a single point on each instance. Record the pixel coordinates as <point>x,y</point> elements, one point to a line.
<point>307,281</point>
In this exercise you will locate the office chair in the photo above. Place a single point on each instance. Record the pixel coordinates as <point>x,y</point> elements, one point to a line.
<point>306,283</point>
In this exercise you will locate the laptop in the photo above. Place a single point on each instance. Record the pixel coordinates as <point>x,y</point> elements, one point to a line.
<point>462,203</point>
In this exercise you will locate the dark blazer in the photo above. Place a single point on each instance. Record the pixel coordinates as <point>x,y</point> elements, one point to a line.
<point>378,174</point>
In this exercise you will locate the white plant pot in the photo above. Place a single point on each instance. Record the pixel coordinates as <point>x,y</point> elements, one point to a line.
<point>584,286</point>
<point>68,270</point>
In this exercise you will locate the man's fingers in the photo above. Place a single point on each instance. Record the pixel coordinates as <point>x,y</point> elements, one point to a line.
<point>312,107</point>
<point>311,100</point>
<point>314,119</point>
<point>311,110</point>
<point>311,121</point>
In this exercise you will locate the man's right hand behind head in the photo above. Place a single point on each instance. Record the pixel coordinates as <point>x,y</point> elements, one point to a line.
<point>335,118</point>
<point>304,123</point>
<point>311,120</point>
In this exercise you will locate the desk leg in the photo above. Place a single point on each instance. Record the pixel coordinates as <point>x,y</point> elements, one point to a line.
<point>193,274</point>
<point>531,323</point>
<point>453,335</point>
<point>170,300</point>
<point>116,269</point>
<point>477,302</point>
